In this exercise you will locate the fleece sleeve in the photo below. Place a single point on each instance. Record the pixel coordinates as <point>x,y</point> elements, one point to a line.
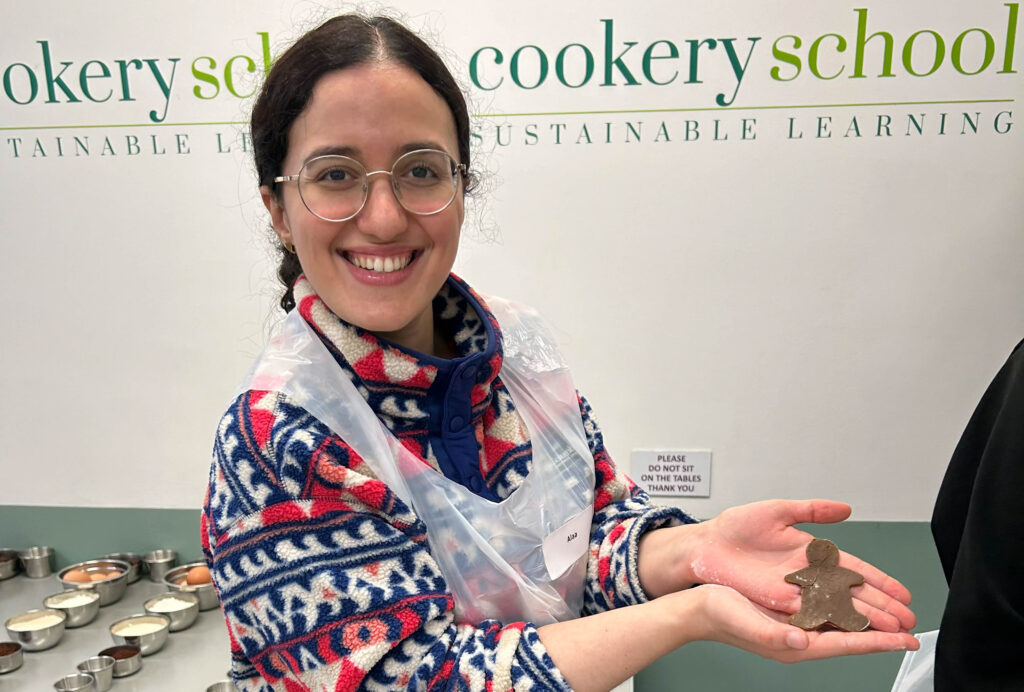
<point>622,514</point>
<point>326,578</point>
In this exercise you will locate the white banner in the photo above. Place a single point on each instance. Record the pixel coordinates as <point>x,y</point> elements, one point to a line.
<point>788,233</point>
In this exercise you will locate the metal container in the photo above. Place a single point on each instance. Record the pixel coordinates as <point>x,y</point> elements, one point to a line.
<point>9,563</point>
<point>127,659</point>
<point>36,639</point>
<point>101,668</point>
<point>78,615</point>
<point>222,686</point>
<point>148,643</point>
<point>11,656</point>
<point>181,618</point>
<point>134,561</point>
<point>175,581</point>
<point>78,682</point>
<point>37,561</point>
<point>159,563</point>
<point>110,589</point>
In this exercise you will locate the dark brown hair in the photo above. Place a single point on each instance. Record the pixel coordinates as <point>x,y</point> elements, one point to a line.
<point>344,41</point>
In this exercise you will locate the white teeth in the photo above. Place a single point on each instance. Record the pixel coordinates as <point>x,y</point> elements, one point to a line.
<point>381,265</point>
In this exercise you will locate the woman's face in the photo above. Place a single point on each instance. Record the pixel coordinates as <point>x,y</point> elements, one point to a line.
<point>373,113</point>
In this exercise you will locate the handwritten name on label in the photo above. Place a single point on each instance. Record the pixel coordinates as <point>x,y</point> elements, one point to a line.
<point>567,543</point>
<point>673,473</point>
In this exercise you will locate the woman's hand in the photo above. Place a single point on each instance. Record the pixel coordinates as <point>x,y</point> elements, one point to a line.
<point>751,548</point>
<point>599,651</point>
<point>730,618</point>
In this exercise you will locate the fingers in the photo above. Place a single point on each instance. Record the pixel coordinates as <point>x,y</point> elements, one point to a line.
<point>797,639</point>
<point>885,597</point>
<point>829,644</point>
<point>789,644</point>
<point>875,577</point>
<point>884,612</point>
<point>812,511</point>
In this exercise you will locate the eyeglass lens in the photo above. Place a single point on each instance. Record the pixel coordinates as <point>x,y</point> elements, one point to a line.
<point>336,187</point>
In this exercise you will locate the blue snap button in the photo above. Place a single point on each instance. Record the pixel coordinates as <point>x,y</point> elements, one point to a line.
<point>475,484</point>
<point>469,373</point>
<point>456,424</point>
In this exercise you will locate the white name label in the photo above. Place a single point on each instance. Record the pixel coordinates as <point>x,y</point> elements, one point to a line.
<point>673,473</point>
<point>567,543</point>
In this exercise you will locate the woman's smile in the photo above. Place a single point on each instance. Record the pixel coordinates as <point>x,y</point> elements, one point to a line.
<point>378,264</point>
<point>381,267</point>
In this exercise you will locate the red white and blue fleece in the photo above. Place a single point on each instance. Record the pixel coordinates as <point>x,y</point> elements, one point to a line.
<point>327,578</point>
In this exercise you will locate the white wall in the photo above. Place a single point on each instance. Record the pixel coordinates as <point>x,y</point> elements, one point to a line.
<point>822,313</point>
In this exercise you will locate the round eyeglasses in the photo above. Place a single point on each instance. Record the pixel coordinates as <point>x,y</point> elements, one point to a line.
<point>335,188</point>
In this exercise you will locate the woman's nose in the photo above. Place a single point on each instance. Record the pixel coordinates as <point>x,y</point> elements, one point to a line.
<point>383,215</point>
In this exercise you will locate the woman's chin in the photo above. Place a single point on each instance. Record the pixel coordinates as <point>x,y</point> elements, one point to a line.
<point>399,327</point>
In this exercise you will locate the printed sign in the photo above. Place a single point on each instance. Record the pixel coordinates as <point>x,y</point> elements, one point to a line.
<point>673,474</point>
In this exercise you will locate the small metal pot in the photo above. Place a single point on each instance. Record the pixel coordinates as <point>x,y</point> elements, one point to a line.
<point>37,561</point>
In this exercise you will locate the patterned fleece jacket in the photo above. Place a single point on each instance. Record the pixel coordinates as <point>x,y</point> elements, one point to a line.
<point>326,577</point>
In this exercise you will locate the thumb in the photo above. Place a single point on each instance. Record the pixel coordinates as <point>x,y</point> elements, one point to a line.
<point>814,511</point>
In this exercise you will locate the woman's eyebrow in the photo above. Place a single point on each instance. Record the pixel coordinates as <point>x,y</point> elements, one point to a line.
<point>354,152</point>
<point>413,146</point>
<point>334,150</point>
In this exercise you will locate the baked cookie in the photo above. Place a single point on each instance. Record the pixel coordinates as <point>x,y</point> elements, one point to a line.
<point>825,597</point>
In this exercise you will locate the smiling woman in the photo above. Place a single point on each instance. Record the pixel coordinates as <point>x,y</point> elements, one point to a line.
<point>409,492</point>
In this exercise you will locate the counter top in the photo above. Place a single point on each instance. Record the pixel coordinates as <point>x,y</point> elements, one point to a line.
<point>192,659</point>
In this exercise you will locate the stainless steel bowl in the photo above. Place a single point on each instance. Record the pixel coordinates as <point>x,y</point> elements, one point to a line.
<point>101,668</point>
<point>78,615</point>
<point>37,561</point>
<point>159,562</point>
<point>40,638</point>
<point>181,617</point>
<point>127,659</point>
<point>11,656</point>
<point>149,642</point>
<point>110,589</point>
<point>175,581</point>
<point>9,563</point>
<point>222,686</point>
<point>77,682</point>
<point>134,561</point>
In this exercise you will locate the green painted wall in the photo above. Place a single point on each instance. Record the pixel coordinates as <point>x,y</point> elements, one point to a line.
<point>903,549</point>
<point>85,533</point>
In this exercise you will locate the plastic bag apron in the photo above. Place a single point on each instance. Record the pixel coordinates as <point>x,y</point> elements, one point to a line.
<point>523,558</point>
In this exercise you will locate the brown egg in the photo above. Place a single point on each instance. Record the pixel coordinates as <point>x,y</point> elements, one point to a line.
<point>77,575</point>
<point>100,576</point>
<point>200,574</point>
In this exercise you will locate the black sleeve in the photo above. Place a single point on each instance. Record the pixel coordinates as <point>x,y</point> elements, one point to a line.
<point>978,526</point>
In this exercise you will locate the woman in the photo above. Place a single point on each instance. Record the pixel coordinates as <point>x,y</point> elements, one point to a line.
<point>335,567</point>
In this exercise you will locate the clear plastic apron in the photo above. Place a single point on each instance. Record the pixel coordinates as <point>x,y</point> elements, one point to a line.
<point>523,558</point>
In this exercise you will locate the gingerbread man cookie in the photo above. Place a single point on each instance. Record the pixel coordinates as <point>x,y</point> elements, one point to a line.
<point>825,591</point>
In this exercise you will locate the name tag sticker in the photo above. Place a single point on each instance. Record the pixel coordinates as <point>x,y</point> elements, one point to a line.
<point>567,543</point>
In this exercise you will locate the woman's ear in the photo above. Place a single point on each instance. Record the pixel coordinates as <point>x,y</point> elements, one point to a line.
<point>277,216</point>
